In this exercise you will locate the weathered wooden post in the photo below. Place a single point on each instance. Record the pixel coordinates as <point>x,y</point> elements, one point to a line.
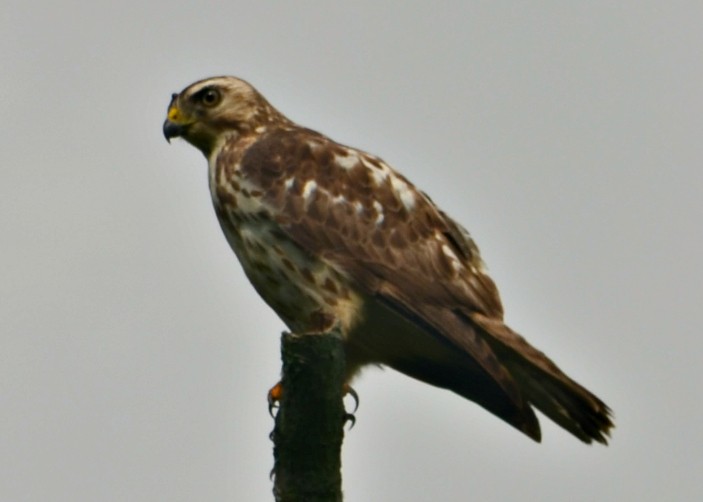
<point>309,425</point>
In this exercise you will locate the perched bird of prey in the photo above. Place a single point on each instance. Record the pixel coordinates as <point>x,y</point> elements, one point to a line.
<point>333,237</point>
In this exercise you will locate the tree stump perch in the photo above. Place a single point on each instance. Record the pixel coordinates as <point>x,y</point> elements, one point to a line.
<point>309,425</point>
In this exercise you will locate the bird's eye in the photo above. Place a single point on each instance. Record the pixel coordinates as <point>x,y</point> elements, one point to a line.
<point>210,97</point>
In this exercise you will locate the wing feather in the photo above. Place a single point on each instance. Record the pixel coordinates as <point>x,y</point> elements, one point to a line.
<point>395,245</point>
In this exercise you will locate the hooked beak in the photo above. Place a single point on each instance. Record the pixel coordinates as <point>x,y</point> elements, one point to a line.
<point>174,125</point>
<point>173,130</point>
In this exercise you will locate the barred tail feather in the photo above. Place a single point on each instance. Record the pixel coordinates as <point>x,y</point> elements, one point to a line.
<point>546,387</point>
<point>567,403</point>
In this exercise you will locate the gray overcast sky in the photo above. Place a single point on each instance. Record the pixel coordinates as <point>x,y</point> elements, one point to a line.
<point>135,357</point>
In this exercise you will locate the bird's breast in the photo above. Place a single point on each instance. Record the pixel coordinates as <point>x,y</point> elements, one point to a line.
<point>300,286</point>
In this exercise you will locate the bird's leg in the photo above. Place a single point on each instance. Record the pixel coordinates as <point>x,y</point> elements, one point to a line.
<point>319,322</point>
<point>275,393</point>
<point>274,396</point>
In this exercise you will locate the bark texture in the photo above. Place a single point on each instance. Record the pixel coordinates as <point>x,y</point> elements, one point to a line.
<point>309,425</point>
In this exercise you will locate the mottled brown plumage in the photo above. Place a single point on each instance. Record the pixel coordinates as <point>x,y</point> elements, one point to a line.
<point>329,235</point>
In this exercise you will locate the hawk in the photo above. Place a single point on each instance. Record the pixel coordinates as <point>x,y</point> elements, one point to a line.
<point>331,236</point>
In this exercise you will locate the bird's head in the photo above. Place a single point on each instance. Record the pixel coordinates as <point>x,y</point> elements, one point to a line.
<point>210,110</point>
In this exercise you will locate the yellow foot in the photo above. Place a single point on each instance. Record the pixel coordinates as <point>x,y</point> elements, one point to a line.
<point>275,393</point>
<point>274,396</point>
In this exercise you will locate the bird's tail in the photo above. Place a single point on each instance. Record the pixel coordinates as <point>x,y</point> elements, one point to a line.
<point>545,386</point>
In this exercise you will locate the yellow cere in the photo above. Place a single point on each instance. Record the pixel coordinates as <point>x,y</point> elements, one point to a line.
<point>173,114</point>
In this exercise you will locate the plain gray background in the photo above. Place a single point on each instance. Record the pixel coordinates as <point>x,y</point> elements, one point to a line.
<point>135,357</point>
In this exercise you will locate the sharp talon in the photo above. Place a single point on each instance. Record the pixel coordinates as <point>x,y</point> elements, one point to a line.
<point>349,417</point>
<point>349,390</point>
<point>274,396</point>
<point>272,406</point>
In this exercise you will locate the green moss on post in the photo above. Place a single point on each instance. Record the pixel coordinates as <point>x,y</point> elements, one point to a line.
<point>309,426</point>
